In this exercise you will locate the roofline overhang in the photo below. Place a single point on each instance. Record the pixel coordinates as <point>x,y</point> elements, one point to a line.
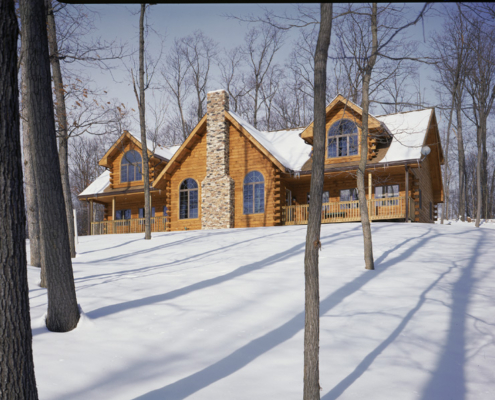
<point>119,193</point>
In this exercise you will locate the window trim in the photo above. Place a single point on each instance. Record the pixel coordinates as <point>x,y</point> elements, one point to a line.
<point>254,193</point>
<point>133,164</point>
<point>189,199</point>
<point>341,120</point>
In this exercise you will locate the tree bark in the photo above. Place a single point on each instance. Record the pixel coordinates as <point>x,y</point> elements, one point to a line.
<point>31,199</point>
<point>478,177</point>
<point>60,110</point>
<point>63,312</point>
<point>446,156</point>
<point>313,244</point>
<point>462,164</point>
<point>361,171</point>
<point>17,379</point>
<point>142,124</point>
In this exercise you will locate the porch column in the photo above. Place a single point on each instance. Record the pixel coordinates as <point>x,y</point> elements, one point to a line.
<point>113,208</point>
<point>90,217</point>
<point>407,193</point>
<point>370,190</point>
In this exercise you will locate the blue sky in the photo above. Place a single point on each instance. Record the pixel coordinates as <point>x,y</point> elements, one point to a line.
<point>179,20</point>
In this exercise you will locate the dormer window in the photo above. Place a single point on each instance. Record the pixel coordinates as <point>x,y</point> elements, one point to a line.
<point>131,166</point>
<point>342,139</point>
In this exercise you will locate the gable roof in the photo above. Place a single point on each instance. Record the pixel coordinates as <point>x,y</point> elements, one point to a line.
<point>307,133</point>
<point>154,150</point>
<point>98,185</point>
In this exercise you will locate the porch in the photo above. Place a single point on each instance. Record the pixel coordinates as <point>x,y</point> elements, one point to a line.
<point>135,225</point>
<point>348,211</point>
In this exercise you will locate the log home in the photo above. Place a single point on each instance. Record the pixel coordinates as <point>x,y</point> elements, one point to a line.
<point>228,174</point>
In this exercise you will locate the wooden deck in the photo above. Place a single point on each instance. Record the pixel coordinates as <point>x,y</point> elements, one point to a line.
<point>348,211</point>
<point>136,225</point>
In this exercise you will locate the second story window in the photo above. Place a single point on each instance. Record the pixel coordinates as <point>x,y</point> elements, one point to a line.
<point>131,166</point>
<point>342,139</point>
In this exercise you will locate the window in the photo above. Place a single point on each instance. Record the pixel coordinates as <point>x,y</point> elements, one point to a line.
<point>142,214</point>
<point>288,197</point>
<point>254,193</point>
<point>420,200</point>
<point>130,167</point>
<point>349,195</point>
<point>165,213</point>
<point>188,199</point>
<point>382,192</point>
<point>122,214</point>
<point>342,139</point>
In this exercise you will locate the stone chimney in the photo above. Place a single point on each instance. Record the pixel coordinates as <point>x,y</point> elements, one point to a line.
<point>217,189</point>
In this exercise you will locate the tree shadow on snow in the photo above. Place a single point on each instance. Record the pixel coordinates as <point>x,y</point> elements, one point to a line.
<point>245,269</point>
<point>244,355</point>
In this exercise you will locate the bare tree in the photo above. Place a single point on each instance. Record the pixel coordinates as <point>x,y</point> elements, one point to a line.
<point>232,77</point>
<point>313,245</point>
<point>199,52</point>
<point>17,378</point>
<point>175,72</point>
<point>63,312</point>
<point>260,48</point>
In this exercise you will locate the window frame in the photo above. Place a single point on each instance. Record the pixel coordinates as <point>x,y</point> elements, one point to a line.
<point>188,191</point>
<point>253,185</point>
<point>126,163</point>
<point>353,192</point>
<point>338,138</point>
<point>123,214</point>
<point>386,195</point>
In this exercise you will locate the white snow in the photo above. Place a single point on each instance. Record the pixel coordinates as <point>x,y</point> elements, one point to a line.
<point>212,315</point>
<point>161,151</point>
<point>286,146</point>
<point>98,185</point>
<point>409,132</point>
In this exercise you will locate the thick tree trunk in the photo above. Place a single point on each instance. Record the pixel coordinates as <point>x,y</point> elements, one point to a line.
<point>63,151</point>
<point>31,199</point>
<point>17,380</point>
<point>63,312</point>
<point>142,124</point>
<point>313,244</point>
<point>361,171</point>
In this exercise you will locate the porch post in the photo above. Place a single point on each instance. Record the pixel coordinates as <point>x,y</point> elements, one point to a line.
<point>113,208</point>
<point>407,193</point>
<point>90,217</point>
<point>370,190</point>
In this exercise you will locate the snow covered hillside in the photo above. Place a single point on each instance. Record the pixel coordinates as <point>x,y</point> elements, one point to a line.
<point>215,315</point>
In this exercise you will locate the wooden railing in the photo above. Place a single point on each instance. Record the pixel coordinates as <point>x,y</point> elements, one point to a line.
<point>158,224</point>
<point>347,211</point>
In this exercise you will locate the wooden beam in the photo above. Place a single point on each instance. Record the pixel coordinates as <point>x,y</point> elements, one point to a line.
<point>407,193</point>
<point>113,208</point>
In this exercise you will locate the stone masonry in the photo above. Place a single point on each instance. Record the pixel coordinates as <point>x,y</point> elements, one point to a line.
<point>217,189</point>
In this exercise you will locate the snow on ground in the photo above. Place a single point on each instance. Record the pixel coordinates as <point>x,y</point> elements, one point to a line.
<point>219,315</point>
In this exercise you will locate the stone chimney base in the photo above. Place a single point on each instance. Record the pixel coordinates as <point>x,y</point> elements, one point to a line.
<point>217,202</point>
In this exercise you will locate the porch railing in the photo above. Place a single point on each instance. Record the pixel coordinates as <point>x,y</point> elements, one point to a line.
<point>347,211</point>
<point>158,224</point>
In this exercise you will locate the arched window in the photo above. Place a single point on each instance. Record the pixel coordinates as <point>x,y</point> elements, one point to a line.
<point>131,166</point>
<point>254,193</point>
<point>342,139</point>
<point>188,199</point>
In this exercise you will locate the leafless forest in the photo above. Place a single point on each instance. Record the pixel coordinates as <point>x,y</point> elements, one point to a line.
<point>274,93</point>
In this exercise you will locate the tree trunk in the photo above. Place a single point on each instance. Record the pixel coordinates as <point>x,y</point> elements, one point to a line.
<point>446,166</point>
<point>142,124</point>
<point>17,380</point>
<point>31,200</point>
<point>361,171</point>
<point>63,312</point>
<point>462,164</point>
<point>313,245</point>
<point>63,151</point>
<point>478,177</point>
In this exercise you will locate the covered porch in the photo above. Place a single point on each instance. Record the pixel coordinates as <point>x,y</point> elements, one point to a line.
<point>348,211</point>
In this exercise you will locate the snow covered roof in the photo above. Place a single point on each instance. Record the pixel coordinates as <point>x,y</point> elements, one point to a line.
<point>160,151</point>
<point>409,132</point>
<point>286,146</point>
<point>98,185</point>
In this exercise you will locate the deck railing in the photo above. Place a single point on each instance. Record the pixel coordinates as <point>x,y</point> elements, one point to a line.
<point>347,211</point>
<point>158,224</point>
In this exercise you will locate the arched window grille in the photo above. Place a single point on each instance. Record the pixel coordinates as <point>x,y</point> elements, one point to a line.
<point>131,166</point>
<point>342,139</point>
<point>254,193</point>
<point>188,199</point>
